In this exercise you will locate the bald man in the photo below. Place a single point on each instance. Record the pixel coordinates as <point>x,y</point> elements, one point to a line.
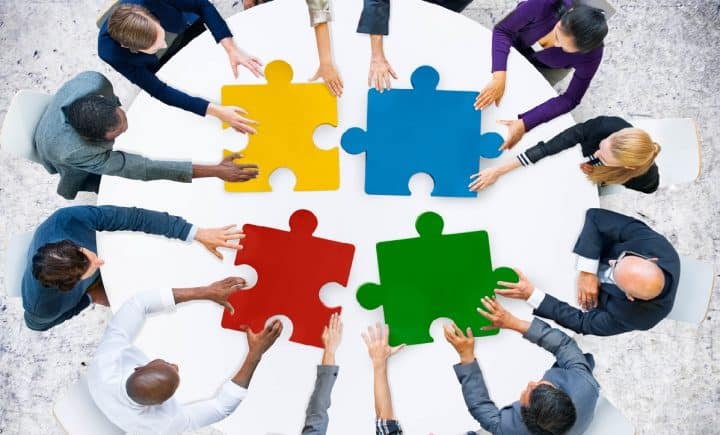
<point>136,394</point>
<point>628,275</point>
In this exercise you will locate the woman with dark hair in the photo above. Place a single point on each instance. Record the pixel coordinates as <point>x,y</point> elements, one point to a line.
<point>552,35</point>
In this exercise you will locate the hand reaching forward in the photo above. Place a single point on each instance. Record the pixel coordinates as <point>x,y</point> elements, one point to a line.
<point>516,131</point>
<point>485,178</point>
<point>229,170</point>
<point>492,92</point>
<point>376,340</point>
<point>332,334</point>
<point>516,290</point>
<point>463,344</point>
<point>331,77</point>
<point>220,291</point>
<point>259,343</point>
<point>233,116</point>
<point>498,316</point>
<point>380,73</point>
<point>214,238</point>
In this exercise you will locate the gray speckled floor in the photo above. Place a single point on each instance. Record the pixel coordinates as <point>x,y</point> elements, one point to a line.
<point>662,60</point>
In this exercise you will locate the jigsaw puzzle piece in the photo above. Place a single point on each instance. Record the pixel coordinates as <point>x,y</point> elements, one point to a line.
<point>435,275</point>
<point>421,130</point>
<point>292,267</point>
<point>287,114</point>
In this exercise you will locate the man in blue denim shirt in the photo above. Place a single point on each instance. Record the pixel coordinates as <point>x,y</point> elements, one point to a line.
<point>62,276</point>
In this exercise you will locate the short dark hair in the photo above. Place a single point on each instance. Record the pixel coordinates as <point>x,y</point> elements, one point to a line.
<point>59,265</point>
<point>551,412</point>
<point>586,25</point>
<point>93,116</point>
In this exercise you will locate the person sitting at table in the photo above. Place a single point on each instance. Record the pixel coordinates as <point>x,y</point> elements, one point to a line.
<point>320,16</point>
<point>316,416</point>
<point>616,153</point>
<point>379,351</point>
<point>551,34</point>
<point>136,394</point>
<point>139,36</point>
<point>374,21</point>
<point>628,276</point>
<point>75,138</point>
<point>62,275</point>
<point>562,402</point>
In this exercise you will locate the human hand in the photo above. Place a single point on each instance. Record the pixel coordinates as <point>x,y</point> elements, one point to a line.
<point>380,73</point>
<point>376,340</point>
<point>485,178</point>
<point>516,290</point>
<point>516,130</point>
<point>232,115</point>
<point>492,92</point>
<point>588,287</point>
<point>259,343</point>
<point>464,345</point>
<point>330,76</point>
<point>586,168</point>
<point>228,170</point>
<point>331,337</point>
<point>498,316</point>
<point>220,291</point>
<point>239,57</point>
<point>213,238</point>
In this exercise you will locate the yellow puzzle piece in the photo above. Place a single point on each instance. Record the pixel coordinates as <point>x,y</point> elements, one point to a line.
<point>288,114</point>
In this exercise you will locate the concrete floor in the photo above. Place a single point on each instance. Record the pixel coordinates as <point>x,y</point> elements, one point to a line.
<point>662,60</point>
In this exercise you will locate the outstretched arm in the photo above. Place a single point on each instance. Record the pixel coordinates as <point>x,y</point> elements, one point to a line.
<point>594,322</point>
<point>379,351</point>
<point>206,412</point>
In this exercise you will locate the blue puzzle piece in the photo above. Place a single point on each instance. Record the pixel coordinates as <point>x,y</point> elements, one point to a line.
<point>421,130</point>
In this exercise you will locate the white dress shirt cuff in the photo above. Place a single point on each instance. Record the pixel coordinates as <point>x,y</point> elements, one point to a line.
<point>536,298</point>
<point>191,234</point>
<point>587,265</point>
<point>233,391</point>
<point>166,299</point>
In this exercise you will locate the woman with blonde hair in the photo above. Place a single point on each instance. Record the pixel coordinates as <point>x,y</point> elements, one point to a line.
<point>616,152</point>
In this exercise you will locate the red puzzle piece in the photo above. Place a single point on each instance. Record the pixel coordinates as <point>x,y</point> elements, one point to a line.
<point>291,266</point>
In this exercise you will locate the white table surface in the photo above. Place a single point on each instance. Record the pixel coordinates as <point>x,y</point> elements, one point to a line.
<point>533,217</point>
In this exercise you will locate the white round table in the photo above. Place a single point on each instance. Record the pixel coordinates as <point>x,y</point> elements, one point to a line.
<point>533,217</point>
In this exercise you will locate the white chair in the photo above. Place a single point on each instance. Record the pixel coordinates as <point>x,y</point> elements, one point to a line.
<point>16,262</point>
<point>608,420</point>
<point>18,129</point>
<point>78,415</point>
<point>692,299</point>
<point>679,159</point>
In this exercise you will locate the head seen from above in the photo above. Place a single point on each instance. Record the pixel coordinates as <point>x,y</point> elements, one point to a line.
<point>153,383</point>
<point>97,118</point>
<point>625,154</point>
<point>135,28</point>
<point>61,265</point>
<point>581,29</point>
<point>546,410</point>
<point>638,277</point>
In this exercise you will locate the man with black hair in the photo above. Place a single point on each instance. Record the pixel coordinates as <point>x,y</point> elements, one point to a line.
<point>75,138</point>
<point>562,402</point>
<point>62,276</point>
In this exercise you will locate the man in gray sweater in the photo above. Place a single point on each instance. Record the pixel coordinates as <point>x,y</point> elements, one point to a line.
<point>75,138</point>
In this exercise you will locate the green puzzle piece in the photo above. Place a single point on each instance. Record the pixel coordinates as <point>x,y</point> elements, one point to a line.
<point>432,276</point>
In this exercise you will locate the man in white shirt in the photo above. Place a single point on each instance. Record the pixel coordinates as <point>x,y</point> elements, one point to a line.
<point>135,393</point>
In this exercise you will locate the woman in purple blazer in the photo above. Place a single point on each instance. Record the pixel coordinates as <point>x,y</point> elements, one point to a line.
<point>551,34</point>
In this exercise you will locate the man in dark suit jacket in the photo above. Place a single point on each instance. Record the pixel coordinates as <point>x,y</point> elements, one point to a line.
<point>562,402</point>
<point>139,36</point>
<point>628,278</point>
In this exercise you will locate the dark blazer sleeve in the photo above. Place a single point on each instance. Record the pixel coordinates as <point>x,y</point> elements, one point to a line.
<point>567,353</point>
<point>208,13</point>
<point>565,140</point>
<point>150,83</point>
<point>594,322</point>
<point>604,227</point>
<point>375,17</point>
<point>111,218</point>
<point>476,396</point>
<point>645,183</point>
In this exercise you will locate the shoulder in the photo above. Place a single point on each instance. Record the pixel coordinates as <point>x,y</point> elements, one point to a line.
<point>608,123</point>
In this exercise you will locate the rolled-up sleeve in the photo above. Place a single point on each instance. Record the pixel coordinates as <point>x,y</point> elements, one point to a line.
<point>319,11</point>
<point>375,17</point>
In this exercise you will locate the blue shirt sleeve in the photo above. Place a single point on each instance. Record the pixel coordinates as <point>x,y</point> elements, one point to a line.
<point>111,218</point>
